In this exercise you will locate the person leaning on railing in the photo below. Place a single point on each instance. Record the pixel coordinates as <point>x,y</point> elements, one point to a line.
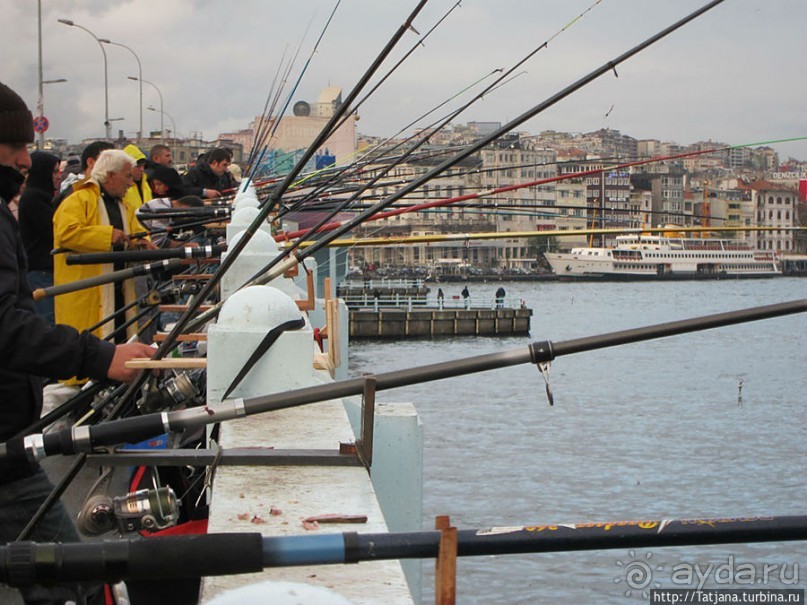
<point>31,347</point>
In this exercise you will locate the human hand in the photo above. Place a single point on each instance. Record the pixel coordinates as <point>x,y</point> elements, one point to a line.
<point>211,193</point>
<point>123,353</point>
<point>145,244</point>
<point>119,238</point>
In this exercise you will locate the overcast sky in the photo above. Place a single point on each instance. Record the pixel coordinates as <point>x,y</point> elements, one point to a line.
<point>734,75</point>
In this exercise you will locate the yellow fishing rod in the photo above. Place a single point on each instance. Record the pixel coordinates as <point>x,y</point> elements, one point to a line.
<point>453,237</point>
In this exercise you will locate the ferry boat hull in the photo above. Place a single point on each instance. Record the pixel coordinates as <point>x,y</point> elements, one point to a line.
<point>660,258</point>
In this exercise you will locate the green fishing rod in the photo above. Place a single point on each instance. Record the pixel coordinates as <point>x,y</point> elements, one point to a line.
<point>136,429</point>
<point>165,558</point>
<point>278,268</point>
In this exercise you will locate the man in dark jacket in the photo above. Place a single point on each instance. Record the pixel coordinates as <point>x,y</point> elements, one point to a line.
<point>211,174</point>
<point>29,348</point>
<point>88,159</point>
<point>36,224</point>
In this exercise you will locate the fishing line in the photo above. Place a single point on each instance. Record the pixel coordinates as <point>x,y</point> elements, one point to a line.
<point>446,120</point>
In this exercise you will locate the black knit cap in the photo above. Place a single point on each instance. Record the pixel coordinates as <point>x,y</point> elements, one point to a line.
<point>16,121</point>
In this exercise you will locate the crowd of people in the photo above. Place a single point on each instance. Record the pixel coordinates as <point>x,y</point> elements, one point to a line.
<point>49,207</point>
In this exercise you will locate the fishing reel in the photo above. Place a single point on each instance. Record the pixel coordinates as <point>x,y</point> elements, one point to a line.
<point>180,388</point>
<point>145,509</point>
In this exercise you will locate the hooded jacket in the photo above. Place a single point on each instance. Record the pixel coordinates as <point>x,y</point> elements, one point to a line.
<point>81,224</point>
<point>29,345</point>
<point>36,211</point>
<point>140,192</point>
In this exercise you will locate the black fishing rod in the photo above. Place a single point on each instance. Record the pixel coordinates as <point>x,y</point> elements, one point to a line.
<point>137,429</point>
<point>440,123</point>
<point>278,191</point>
<point>419,43</point>
<point>177,227</point>
<point>281,267</point>
<point>107,278</point>
<point>133,256</point>
<point>203,212</point>
<point>268,108</point>
<point>164,558</point>
<point>296,84</point>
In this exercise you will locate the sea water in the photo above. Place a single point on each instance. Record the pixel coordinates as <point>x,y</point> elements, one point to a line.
<point>708,424</point>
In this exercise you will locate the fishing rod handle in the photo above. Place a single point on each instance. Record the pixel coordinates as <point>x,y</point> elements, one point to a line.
<point>155,558</point>
<point>107,278</point>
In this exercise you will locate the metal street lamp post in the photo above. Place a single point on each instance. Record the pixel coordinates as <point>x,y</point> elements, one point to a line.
<point>153,85</point>
<point>40,144</point>
<point>140,80</point>
<point>40,106</point>
<point>106,77</point>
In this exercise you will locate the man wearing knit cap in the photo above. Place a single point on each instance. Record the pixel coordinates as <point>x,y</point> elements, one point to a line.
<point>30,347</point>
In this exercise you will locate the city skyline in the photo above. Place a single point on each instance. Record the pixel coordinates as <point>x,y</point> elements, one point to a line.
<point>731,76</point>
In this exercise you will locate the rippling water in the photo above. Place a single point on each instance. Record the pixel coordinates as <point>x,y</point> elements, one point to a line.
<point>640,431</point>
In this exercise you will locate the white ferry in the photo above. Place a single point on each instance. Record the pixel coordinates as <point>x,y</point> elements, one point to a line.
<point>638,256</point>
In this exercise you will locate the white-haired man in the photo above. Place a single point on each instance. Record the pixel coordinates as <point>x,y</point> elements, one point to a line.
<point>95,219</point>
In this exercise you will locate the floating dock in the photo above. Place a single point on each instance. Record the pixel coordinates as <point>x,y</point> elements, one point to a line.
<point>386,322</point>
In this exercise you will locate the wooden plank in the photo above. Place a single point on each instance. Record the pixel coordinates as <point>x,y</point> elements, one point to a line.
<point>445,567</point>
<point>193,337</point>
<point>169,363</point>
<point>308,304</point>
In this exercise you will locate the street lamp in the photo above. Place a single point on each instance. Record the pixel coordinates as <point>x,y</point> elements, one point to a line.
<point>41,108</point>
<point>140,79</point>
<point>173,124</point>
<point>106,79</point>
<point>153,85</point>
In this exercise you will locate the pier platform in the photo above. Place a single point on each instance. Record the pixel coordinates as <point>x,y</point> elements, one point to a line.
<point>392,322</point>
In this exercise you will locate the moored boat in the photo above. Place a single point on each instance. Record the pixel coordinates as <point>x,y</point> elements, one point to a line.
<point>637,256</point>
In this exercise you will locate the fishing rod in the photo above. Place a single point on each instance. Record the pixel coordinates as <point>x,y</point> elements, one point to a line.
<point>489,192</point>
<point>447,237</point>
<point>500,81</point>
<point>566,176</point>
<point>538,210</point>
<point>270,204</point>
<point>395,67</point>
<point>204,211</point>
<point>296,84</point>
<point>178,227</point>
<point>107,278</point>
<point>172,557</point>
<point>271,97</point>
<point>292,260</point>
<point>133,256</point>
<point>430,132</point>
<point>133,430</point>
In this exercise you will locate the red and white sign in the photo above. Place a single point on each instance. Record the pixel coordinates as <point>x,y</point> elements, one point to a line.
<point>41,124</point>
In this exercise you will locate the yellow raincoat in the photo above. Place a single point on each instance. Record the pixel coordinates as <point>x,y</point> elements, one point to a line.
<point>137,197</point>
<point>81,224</point>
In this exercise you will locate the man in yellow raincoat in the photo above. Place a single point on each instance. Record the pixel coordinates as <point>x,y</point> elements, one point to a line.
<point>140,192</point>
<point>95,219</point>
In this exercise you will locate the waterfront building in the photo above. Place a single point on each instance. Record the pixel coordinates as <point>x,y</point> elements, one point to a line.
<point>774,206</point>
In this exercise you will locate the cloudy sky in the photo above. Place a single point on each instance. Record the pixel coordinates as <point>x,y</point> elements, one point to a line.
<point>735,75</point>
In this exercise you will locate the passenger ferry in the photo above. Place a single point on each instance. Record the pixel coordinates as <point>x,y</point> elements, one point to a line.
<point>638,256</point>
